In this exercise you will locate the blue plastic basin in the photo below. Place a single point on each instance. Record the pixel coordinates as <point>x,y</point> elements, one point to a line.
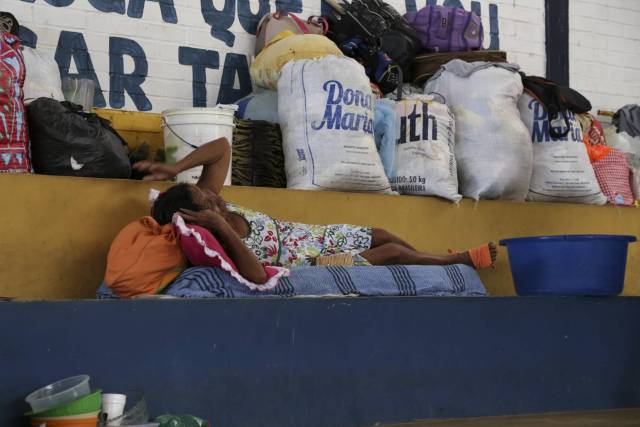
<point>568,265</point>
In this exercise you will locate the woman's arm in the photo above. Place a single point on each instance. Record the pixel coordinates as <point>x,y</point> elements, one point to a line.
<point>214,156</point>
<point>246,261</point>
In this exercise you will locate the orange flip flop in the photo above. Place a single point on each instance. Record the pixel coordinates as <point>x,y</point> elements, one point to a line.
<point>480,257</point>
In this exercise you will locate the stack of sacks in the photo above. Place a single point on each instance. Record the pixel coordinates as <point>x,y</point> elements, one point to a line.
<point>492,146</point>
<point>324,106</point>
<point>281,37</point>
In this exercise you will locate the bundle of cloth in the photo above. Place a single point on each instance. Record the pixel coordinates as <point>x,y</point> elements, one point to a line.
<point>328,281</point>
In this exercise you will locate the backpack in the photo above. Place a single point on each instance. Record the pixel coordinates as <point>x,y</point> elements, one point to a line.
<point>380,27</point>
<point>557,100</point>
<point>275,23</point>
<point>380,68</point>
<point>447,29</point>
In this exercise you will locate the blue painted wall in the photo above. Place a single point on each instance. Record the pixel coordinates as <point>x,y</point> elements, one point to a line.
<point>347,362</point>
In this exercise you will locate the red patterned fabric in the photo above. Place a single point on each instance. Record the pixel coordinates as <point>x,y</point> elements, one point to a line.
<point>614,177</point>
<point>14,138</point>
<point>596,133</point>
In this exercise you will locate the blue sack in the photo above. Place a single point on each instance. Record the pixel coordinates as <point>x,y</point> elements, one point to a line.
<point>262,105</point>
<point>385,133</point>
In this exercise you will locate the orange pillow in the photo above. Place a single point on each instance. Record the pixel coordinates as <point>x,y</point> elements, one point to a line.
<point>144,258</point>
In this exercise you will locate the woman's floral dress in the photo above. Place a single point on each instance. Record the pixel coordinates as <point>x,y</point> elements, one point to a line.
<point>292,244</point>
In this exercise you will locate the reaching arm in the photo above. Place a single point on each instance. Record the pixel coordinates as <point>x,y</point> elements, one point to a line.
<point>214,156</point>
<point>246,261</point>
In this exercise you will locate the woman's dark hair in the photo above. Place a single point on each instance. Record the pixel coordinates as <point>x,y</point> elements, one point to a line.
<point>171,201</point>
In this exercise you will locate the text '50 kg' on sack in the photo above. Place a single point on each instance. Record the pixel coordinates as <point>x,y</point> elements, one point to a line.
<point>562,171</point>
<point>425,161</point>
<point>326,112</point>
<point>68,141</point>
<point>14,139</point>
<point>493,147</point>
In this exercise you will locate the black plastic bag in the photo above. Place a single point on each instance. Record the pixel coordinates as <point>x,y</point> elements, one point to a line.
<point>67,141</point>
<point>557,100</point>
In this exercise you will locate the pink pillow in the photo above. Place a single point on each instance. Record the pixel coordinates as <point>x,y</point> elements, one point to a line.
<point>202,249</point>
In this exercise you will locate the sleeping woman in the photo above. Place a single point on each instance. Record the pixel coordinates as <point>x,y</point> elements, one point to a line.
<point>252,238</point>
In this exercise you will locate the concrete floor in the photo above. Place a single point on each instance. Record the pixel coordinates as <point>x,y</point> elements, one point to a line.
<point>621,418</point>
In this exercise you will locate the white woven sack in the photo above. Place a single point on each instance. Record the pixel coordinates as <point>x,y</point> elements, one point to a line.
<point>562,171</point>
<point>425,163</point>
<point>326,115</point>
<point>493,147</point>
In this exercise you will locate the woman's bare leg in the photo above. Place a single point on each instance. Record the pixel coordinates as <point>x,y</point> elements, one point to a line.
<point>382,237</point>
<point>394,254</point>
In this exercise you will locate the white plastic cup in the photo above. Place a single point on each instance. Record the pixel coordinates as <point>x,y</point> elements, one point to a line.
<point>113,406</point>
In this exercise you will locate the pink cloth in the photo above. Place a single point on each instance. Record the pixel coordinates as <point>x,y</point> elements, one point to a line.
<point>202,249</point>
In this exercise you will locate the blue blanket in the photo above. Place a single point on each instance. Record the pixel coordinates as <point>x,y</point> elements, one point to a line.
<point>396,280</point>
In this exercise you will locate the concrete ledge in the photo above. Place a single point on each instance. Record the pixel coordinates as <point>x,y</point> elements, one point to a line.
<point>136,128</point>
<point>57,230</point>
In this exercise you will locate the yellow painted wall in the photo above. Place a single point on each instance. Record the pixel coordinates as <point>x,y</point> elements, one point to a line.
<point>136,128</point>
<point>56,231</point>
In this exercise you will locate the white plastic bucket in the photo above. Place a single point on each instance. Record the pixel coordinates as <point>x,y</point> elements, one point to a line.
<point>187,129</point>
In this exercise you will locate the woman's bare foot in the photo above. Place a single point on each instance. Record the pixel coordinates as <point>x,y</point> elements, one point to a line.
<point>479,258</point>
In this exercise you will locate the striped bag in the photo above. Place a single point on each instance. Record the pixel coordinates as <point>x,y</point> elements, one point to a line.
<point>14,138</point>
<point>257,159</point>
